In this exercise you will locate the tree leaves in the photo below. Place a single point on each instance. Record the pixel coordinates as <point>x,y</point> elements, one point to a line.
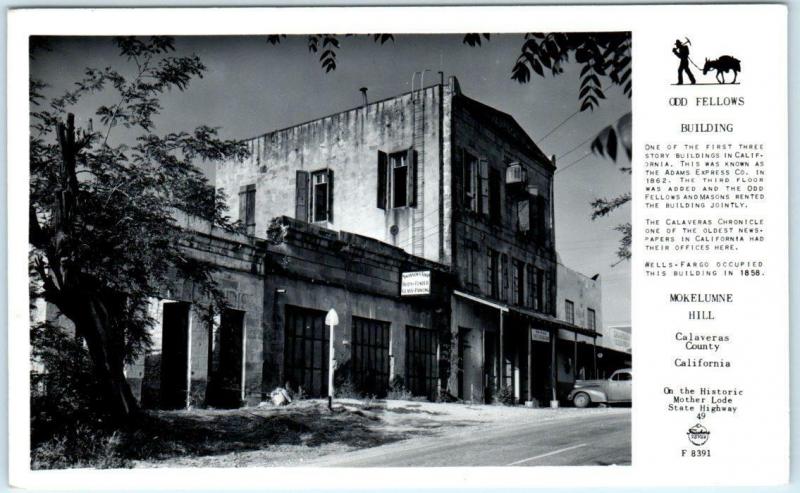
<point>608,139</point>
<point>474,39</point>
<point>120,236</point>
<point>603,55</point>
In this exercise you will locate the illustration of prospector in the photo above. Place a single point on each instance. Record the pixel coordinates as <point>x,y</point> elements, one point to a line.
<point>681,50</point>
<point>722,65</point>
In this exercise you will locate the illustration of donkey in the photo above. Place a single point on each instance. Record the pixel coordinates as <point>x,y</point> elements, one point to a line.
<point>722,65</point>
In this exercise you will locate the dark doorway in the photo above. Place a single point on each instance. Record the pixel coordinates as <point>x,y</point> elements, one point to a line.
<point>227,374</point>
<point>421,361</point>
<point>371,356</point>
<point>463,347</point>
<point>491,365</point>
<point>306,351</point>
<point>175,355</point>
<point>540,364</point>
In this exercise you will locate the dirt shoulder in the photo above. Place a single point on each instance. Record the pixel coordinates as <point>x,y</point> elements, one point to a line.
<point>306,430</point>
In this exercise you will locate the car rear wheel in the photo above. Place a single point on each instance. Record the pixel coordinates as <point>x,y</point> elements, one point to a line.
<point>581,400</point>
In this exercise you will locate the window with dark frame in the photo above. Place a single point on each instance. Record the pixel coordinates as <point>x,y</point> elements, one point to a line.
<point>495,196</point>
<point>492,285</point>
<point>539,298</point>
<point>518,283</point>
<point>591,319</point>
<point>314,196</point>
<point>399,166</point>
<point>471,183</point>
<point>319,196</point>
<point>569,311</point>
<point>548,293</point>
<point>503,277</point>
<point>531,291</point>
<point>397,179</point>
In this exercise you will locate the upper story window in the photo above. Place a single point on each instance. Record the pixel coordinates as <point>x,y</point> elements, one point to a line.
<point>397,179</point>
<point>538,301</point>
<point>475,183</point>
<point>530,293</point>
<point>247,207</point>
<point>532,214</point>
<point>503,277</point>
<point>314,196</point>
<point>518,283</point>
<point>569,311</point>
<point>591,319</point>
<point>319,195</point>
<point>495,198</point>
<point>492,273</point>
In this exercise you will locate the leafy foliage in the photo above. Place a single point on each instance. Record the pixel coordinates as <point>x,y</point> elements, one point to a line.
<point>474,39</point>
<point>605,55</point>
<point>327,45</point>
<point>103,229</point>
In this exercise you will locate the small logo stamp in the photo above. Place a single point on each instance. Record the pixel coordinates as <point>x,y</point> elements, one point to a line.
<point>698,434</point>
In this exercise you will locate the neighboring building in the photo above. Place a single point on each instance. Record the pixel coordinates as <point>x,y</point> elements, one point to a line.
<point>444,178</point>
<point>614,349</point>
<point>579,301</point>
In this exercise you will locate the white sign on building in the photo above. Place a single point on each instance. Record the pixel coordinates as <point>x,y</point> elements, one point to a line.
<point>415,283</point>
<point>540,335</point>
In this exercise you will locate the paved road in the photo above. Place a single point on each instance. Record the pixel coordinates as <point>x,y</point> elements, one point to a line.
<point>598,437</point>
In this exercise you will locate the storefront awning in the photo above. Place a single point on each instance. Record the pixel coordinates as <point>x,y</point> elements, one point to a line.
<point>552,322</point>
<point>548,321</point>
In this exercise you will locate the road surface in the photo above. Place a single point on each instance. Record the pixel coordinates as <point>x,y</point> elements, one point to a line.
<point>598,437</point>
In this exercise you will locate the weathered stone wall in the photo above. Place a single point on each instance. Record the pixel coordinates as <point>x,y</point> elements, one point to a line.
<point>348,143</point>
<point>239,261</point>
<point>319,269</point>
<point>485,135</point>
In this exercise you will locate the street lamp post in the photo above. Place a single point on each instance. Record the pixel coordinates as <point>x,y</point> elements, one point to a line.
<point>331,320</point>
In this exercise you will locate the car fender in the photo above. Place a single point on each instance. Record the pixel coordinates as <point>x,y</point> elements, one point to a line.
<point>597,395</point>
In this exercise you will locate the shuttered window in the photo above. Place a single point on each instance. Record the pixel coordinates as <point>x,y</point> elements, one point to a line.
<point>483,180</point>
<point>495,198</point>
<point>247,207</point>
<point>397,179</point>
<point>531,291</point>
<point>471,182</point>
<point>492,286</point>
<point>504,276</point>
<point>314,196</point>
<point>301,196</point>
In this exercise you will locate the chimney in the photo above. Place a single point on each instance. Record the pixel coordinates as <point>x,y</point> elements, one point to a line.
<point>364,94</point>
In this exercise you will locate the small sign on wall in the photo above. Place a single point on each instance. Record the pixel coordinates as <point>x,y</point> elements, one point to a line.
<point>415,283</point>
<point>540,335</point>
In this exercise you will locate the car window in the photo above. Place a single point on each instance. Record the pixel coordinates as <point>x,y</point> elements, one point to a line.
<point>624,376</point>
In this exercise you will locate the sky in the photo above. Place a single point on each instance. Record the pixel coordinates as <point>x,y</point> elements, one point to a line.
<point>251,87</point>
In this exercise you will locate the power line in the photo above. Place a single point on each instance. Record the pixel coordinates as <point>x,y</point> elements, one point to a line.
<point>573,163</point>
<point>576,147</point>
<point>559,125</point>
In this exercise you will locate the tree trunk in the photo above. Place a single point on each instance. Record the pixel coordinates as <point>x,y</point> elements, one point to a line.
<point>93,322</point>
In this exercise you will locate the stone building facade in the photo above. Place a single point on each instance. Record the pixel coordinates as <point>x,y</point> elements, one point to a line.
<point>444,179</point>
